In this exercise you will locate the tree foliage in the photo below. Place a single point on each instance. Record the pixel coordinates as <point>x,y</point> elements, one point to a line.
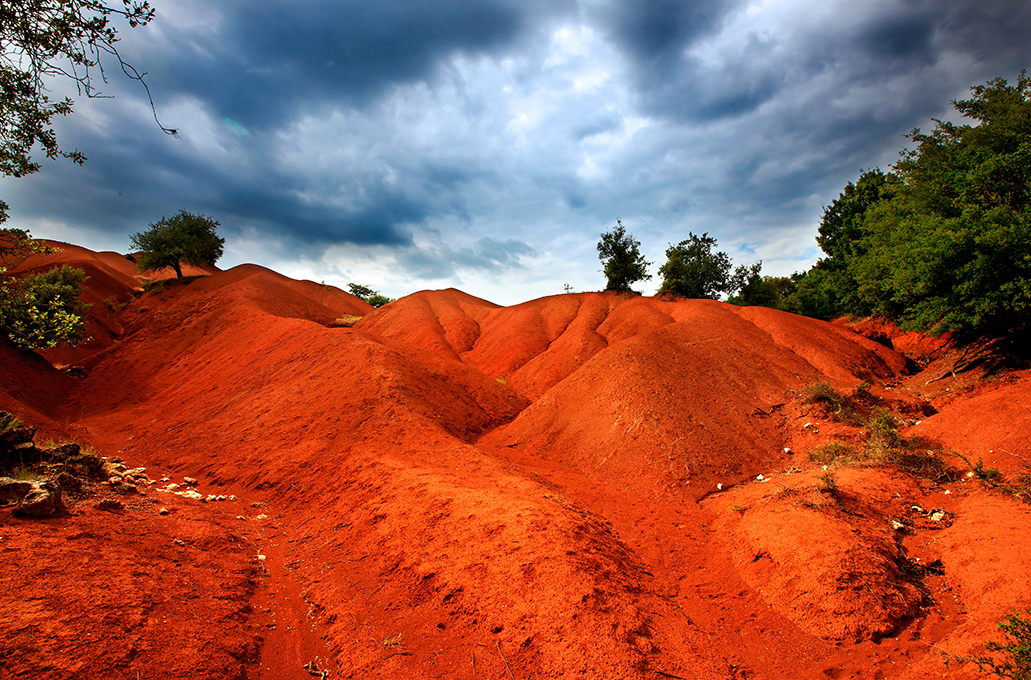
<point>182,239</point>
<point>752,289</point>
<point>943,241</point>
<point>623,264</point>
<point>694,270</point>
<point>46,39</point>
<point>371,296</point>
<point>43,310</point>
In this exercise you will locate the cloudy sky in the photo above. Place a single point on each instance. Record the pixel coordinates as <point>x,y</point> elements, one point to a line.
<point>485,144</point>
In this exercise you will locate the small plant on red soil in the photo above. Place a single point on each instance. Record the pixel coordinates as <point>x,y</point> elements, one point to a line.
<point>828,484</point>
<point>1015,662</point>
<point>840,407</point>
<point>833,450</point>
<point>1022,484</point>
<point>989,477</point>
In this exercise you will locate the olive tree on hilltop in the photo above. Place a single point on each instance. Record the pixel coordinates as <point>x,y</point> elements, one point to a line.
<point>183,239</point>
<point>374,298</point>
<point>694,269</point>
<point>623,263</point>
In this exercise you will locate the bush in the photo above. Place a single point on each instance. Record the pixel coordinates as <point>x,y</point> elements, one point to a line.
<point>43,310</point>
<point>1015,662</point>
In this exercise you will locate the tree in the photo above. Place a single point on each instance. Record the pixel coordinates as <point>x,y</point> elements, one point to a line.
<point>753,289</point>
<point>368,294</point>
<point>182,239</point>
<point>693,270</point>
<point>43,310</point>
<point>44,39</point>
<point>943,241</point>
<point>623,263</point>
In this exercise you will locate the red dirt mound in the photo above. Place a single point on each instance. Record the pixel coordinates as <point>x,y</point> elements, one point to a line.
<point>564,488</point>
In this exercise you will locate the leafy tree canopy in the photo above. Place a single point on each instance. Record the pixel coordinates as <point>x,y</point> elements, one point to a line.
<point>943,241</point>
<point>755,290</point>
<point>694,269</point>
<point>623,264</point>
<point>371,296</point>
<point>43,310</point>
<point>182,239</point>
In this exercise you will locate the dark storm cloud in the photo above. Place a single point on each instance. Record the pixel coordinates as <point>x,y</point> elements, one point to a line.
<point>456,140</point>
<point>279,58</point>
<point>654,32</point>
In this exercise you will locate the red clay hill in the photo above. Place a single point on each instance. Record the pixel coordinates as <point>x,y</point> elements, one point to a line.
<point>581,486</point>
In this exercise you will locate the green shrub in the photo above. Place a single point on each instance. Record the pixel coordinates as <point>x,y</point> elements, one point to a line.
<point>43,310</point>
<point>1015,662</point>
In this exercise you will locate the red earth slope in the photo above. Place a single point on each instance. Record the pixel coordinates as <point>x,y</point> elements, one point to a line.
<point>564,488</point>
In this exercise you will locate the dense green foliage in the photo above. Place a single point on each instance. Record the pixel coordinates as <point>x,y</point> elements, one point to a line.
<point>943,241</point>
<point>182,239</point>
<point>371,296</point>
<point>43,310</point>
<point>621,256</point>
<point>694,270</point>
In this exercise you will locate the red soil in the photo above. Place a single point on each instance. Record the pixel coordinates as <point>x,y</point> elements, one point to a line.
<point>452,489</point>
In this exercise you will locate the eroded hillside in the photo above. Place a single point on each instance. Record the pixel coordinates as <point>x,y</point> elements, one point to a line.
<point>564,488</point>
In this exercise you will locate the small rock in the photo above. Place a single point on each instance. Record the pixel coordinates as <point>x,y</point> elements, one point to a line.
<point>163,511</point>
<point>788,450</point>
<point>44,500</point>
<point>719,486</point>
<point>232,497</point>
<point>13,490</point>
<point>937,516</point>
<point>760,478</point>
<point>110,504</point>
<point>189,481</point>
<point>240,517</point>
<point>897,526</point>
<point>191,494</point>
<point>210,497</point>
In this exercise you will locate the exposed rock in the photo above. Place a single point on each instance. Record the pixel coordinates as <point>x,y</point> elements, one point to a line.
<point>9,439</point>
<point>189,481</point>
<point>44,500</point>
<point>69,483</point>
<point>13,490</point>
<point>110,504</point>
